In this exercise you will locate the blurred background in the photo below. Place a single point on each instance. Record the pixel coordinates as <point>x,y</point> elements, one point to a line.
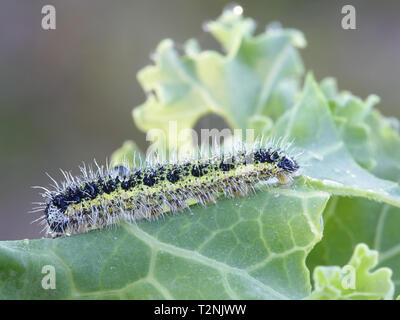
<point>66,95</point>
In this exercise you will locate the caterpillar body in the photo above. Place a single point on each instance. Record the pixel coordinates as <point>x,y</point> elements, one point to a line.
<point>99,198</point>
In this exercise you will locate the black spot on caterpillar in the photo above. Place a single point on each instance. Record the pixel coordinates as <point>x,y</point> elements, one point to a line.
<point>98,198</point>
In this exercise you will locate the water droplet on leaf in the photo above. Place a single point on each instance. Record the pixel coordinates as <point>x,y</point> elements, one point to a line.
<point>234,8</point>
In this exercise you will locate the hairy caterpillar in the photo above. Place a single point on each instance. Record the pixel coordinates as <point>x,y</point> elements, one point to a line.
<point>99,198</point>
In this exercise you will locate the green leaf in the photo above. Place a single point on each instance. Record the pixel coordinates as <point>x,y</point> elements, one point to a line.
<point>247,248</point>
<point>372,139</point>
<point>374,144</point>
<point>326,162</point>
<point>349,221</point>
<point>258,76</point>
<point>354,281</point>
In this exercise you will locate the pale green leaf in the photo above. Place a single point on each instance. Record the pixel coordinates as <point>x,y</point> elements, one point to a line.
<point>258,76</point>
<point>326,162</point>
<point>355,281</point>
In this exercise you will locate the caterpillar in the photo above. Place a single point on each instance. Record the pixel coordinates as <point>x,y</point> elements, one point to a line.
<point>102,197</point>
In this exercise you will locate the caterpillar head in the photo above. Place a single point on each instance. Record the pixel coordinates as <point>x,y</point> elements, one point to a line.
<point>287,164</point>
<point>288,167</point>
